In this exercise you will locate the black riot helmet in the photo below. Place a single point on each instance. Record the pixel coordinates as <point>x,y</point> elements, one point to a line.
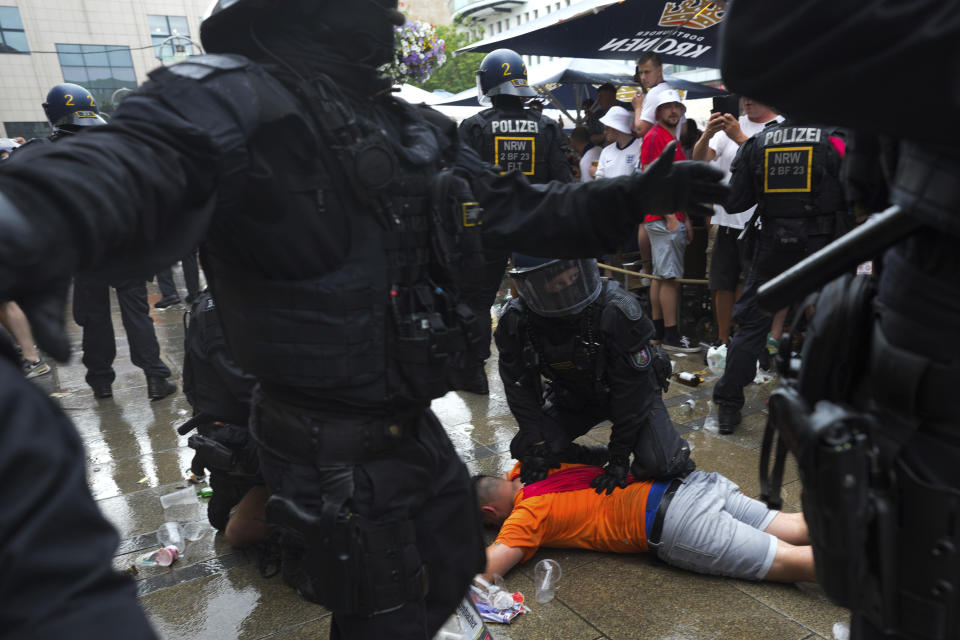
<point>502,72</point>
<point>70,107</point>
<point>556,288</point>
<point>363,28</point>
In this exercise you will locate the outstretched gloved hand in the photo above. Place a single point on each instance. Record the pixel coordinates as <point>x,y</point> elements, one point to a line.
<point>46,310</point>
<point>614,475</point>
<point>667,186</point>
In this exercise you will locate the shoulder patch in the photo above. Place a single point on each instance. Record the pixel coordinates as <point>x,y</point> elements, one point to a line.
<point>514,306</point>
<point>200,67</point>
<point>641,359</point>
<point>625,302</point>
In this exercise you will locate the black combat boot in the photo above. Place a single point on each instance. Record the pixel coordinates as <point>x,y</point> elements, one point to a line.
<point>159,387</point>
<point>166,302</point>
<point>102,390</point>
<point>729,418</point>
<point>473,380</point>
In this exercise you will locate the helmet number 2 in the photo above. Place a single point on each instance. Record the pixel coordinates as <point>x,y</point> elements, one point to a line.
<point>69,100</point>
<point>506,69</point>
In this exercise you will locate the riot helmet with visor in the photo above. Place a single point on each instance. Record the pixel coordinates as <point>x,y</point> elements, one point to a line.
<point>556,288</point>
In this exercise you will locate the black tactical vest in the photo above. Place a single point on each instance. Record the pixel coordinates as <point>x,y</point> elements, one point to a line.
<point>377,331</point>
<point>516,140</point>
<point>798,172</point>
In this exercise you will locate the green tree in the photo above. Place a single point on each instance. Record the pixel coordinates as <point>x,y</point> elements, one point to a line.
<point>458,72</point>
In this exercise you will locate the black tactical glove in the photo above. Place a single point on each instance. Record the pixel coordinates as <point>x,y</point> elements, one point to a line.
<point>666,187</point>
<point>662,367</point>
<point>45,311</point>
<point>614,475</point>
<point>535,465</point>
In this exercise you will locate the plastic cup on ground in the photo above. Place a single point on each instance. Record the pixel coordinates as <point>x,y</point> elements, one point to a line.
<point>183,496</point>
<point>545,576</point>
<point>167,555</point>
<point>170,534</point>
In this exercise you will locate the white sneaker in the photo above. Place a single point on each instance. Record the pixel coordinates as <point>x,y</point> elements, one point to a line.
<point>34,369</point>
<point>683,344</point>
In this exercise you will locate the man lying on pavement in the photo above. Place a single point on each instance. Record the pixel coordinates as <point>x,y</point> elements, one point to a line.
<point>702,522</point>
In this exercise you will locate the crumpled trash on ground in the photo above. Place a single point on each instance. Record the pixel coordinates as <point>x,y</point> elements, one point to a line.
<point>841,631</point>
<point>494,602</point>
<point>763,376</point>
<point>465,624</point>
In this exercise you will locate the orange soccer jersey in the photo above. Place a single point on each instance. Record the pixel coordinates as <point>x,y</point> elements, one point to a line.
<point>580,518</point>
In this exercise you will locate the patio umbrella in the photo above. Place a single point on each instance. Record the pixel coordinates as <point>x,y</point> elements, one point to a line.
<point>565,84</point>
<point>682,31</point>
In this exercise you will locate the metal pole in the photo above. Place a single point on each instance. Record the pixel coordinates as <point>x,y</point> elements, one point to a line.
<point>838,257</point>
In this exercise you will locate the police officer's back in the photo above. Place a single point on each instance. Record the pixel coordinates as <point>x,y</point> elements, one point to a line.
<point>508,134</point>
<point>791,171</point>
<point>513,138</point>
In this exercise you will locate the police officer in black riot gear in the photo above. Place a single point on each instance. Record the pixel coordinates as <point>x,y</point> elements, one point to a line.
<point>326,211</point>
<point>514,138</point>
<point>590,340</point>
<point>71,109</point>
<point>791,171</point>
<point>869,413</point>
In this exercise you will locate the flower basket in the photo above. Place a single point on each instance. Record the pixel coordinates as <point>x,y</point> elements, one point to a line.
<point>418,53</point>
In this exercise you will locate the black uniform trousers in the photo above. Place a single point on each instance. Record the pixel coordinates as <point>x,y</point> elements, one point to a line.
<point>56,548</point>
<point>191,277</point>
<point>91,310</point>
<point>422,480</point>
<point>482,297</point>
<point>770,259</point>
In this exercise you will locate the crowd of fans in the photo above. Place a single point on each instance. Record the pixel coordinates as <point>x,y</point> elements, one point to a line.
<point>618,138</point>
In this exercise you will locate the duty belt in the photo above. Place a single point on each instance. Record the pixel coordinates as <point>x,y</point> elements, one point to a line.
<point>327,438</point>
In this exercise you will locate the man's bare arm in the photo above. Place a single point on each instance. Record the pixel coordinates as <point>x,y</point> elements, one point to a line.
<point>500,559</point>
<point>641,127</point>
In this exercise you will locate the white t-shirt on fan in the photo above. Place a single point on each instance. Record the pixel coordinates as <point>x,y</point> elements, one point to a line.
<point>615,162</point>
<point>726,150</point>
<point>590,158</point>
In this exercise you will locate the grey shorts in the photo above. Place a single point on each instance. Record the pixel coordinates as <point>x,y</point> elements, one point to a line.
<point>667,248</point>
<point>711,527</point>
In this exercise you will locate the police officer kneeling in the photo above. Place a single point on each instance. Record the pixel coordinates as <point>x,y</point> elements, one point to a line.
<point>791,171</point>
<point>590,339</point>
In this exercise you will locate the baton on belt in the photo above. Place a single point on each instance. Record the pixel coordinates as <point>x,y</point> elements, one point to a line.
<point>838,257</point>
